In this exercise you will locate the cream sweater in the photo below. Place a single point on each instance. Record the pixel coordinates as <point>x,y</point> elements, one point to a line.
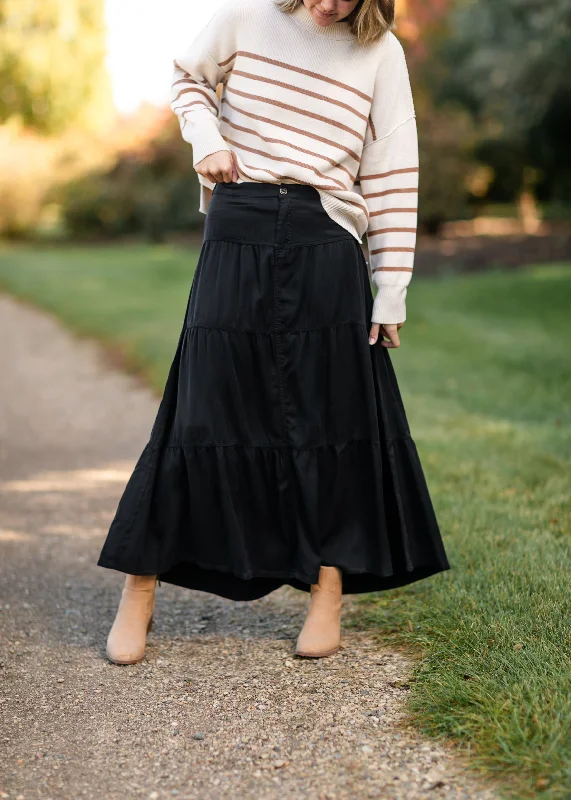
<point>301,103</point>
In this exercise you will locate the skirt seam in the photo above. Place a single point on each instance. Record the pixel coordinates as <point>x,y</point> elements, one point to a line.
<point>286,246</point>
<point>184,445</point>
<point>278,350</point>
<point>281,330</point>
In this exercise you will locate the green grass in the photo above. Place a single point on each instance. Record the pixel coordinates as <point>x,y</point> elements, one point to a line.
<point>485,371</point>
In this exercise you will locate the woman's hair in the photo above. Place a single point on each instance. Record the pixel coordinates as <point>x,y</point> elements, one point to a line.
<point>369,20</point>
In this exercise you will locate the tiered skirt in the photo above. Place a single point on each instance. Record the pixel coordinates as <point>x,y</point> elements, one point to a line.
<point>281,442</point>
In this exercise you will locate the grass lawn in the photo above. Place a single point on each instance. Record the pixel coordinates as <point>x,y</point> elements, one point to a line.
<point>485,371</point>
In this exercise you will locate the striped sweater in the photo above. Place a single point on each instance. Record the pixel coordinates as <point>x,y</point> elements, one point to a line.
<point>308,104</point>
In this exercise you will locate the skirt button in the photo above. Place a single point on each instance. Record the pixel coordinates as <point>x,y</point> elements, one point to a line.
<point>283,190</point>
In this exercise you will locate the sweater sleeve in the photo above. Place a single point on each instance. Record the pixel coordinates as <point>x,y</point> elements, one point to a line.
<point>388,175</point>
<point>197,73</point>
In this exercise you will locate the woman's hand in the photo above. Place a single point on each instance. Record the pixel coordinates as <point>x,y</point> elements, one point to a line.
<point>389,332</point>
<point>219,167</point>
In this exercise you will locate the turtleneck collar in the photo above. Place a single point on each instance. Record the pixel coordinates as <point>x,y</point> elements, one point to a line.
<point>336,30</point>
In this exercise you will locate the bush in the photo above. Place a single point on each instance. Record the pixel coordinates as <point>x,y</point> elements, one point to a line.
<point>27,165</point>
<point>152,192</point>
<point>446,146</point>
<point>33,166</point>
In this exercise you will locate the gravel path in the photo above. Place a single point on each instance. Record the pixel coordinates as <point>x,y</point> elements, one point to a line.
<point>220,707</point>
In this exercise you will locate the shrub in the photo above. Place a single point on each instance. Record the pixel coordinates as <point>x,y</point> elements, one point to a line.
<point>446,145</point>
<point>152,191</point>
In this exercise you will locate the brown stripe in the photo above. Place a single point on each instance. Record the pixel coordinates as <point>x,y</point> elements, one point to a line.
<point>390,269</point>
<point>356,203</point>
<point>264,169</point>
<point>199,91</point>
<point>391,230</point>
<point>296,110</point>
<point>284,158</point>
<point>286,127</point>
<point>299,70</point>
<point>185,80</point>
<point>390,191</point>
<point>281,177</point>
<point>286,144</point>
<point>188,105</point>
<point>293,88</point>
<point>394,211</point>
<point>394,250</point>
<point>372,127</point>
<point>386,174</point>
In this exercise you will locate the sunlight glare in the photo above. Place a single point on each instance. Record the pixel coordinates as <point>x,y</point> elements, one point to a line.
<point>143,39</point>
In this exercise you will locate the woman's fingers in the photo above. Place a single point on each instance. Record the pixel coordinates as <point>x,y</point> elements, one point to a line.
<point>388,333</point>
<point>235,174</point>
<point>227,169</point>
<point>374,332</point>
<point>218,167</point>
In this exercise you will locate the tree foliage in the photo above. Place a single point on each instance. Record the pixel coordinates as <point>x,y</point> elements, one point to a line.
<point>151,191</point>
<point>509,64</point>
<point>52,70</point>
<point>510,59</point>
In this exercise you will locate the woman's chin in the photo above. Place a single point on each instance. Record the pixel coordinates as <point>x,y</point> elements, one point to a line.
<point>323,21</point>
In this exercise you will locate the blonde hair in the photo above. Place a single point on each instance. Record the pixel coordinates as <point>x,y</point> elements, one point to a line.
<point>369,20</point>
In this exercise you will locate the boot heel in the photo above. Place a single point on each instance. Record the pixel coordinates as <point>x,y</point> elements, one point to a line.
<point>150,625</point>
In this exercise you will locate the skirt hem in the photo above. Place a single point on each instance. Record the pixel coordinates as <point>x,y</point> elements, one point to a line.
<point>200,576</point>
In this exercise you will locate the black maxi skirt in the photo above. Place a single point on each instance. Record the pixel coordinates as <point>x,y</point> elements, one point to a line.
<point>281,442</point>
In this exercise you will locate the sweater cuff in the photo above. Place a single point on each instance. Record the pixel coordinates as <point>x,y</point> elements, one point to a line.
<point>206,139</point>
<point>389,305</point>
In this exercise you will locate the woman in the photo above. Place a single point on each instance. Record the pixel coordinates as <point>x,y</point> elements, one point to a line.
<point>281,452</point>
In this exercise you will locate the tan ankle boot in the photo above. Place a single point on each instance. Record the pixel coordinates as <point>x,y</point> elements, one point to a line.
<point>321,632</point>
<point>128,635</point>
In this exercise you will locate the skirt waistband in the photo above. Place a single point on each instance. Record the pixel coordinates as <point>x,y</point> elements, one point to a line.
<point>280,214</point>
<point>253,189</point>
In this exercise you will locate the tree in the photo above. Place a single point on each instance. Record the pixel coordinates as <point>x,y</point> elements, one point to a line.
<point>511,59</point>
<point>509,63</point>
<point>52,71</point>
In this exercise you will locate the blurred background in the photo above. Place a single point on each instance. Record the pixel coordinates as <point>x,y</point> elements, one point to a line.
<point>90,150</point>
<point>99,225</point>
